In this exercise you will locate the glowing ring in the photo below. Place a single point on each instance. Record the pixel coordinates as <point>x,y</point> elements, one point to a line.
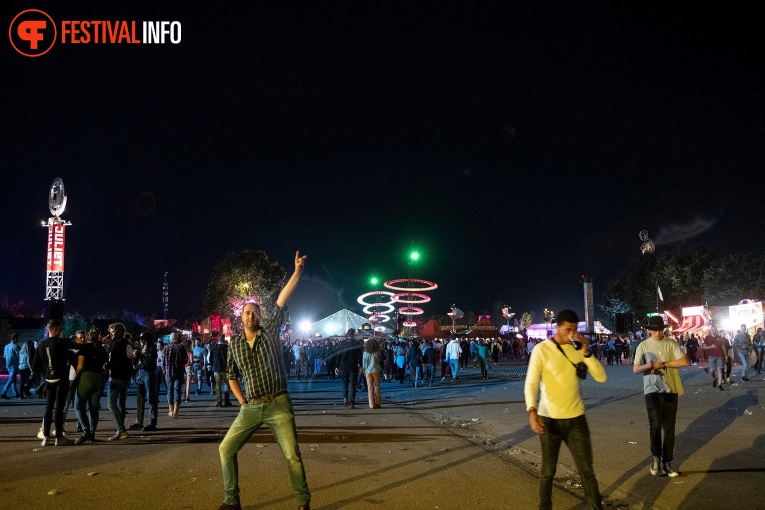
<point>368,309</point>
<point>391,284</point>
<point>382,318</point>
<point>409,324</point>
<point>374,293</point>
<point>411,310</point>
<point>397,298</point>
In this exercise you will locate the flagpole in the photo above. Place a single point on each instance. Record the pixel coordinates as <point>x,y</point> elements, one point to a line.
<point>657,296</point>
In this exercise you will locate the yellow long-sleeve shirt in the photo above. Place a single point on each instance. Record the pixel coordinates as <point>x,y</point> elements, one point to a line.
<point>551,376</point>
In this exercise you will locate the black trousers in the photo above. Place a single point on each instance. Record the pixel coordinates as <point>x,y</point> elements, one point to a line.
<point>349,384</point>
<point>662,410</point>
<point>56,394</point>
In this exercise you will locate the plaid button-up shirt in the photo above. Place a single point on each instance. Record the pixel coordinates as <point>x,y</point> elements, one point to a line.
<point>174,361</point>
<point>262,367</point>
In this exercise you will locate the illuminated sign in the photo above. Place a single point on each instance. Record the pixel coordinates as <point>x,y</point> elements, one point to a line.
<point>56,234</point>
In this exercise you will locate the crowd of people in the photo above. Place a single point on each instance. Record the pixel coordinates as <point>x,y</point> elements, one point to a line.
<point>82,369</point>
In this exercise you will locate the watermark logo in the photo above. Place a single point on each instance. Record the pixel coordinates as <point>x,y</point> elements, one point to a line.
<point>32,33</point>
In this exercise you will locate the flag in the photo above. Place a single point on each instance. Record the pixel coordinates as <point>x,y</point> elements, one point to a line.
<point>658,289</point>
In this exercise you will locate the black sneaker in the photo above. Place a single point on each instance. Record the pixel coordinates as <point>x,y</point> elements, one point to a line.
<point>670,472</point>
<point>150,428</point>
<point>745,379</point>
<point>656,469</point>
<point>135,426</point>
<point>714,383</point>
<point>85,438</point>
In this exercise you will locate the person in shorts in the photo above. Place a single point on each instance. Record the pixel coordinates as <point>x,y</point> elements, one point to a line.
<point>714,346</point>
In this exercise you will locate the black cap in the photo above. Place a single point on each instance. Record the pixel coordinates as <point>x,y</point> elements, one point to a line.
<point>655,323</point>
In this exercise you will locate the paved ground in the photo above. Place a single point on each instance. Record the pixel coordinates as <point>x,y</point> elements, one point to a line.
<point>452,446</point>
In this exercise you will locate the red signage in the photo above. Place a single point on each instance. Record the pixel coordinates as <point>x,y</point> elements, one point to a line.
<point>56,248</point>
<point>215,322</point>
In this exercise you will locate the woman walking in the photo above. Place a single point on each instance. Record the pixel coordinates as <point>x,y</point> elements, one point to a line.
<point>371,365</point>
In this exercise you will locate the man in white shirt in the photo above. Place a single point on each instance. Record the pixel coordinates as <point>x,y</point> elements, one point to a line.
<point>555,368</point>
<point>453,351</point>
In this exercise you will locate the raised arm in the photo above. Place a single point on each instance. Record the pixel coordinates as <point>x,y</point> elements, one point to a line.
<point>290,286</point>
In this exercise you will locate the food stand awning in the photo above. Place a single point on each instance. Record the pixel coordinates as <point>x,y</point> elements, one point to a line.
<point>692,323</point>
<point>694,318</point>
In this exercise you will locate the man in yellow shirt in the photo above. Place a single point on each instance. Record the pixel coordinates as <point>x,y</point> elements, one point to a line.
<point>555,368</point>
<point>657,359</point>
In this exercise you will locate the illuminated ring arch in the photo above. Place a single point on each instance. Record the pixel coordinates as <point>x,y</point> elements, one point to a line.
<point>409,324</point>
<point>428,285</point>
<point>375,293</point>
<point>411,310</point>
<point>382,318</point>
<point>398,298</point>
<point>368,309</point>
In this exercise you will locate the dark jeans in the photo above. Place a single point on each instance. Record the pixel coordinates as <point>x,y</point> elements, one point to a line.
<point>662,409</point>
<point>160,380</point>
<point>174,389</point>
<point>221,381</point>
<point>147,392</point>
<point>117,396</point>
<point>575,433</point>
<point>88,395</point>
<point>430,373</point>
<point>349,383</point>
<point>26,382</point>
<point>56,397</point>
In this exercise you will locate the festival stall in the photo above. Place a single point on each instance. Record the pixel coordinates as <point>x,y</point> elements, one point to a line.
<point>544,330</point>
<point>695,319</point>
<point>748,312</point>
<point>211,327</point>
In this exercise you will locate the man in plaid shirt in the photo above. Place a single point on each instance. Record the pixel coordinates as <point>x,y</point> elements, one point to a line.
<point>174,366</point>
<point>256,356</point>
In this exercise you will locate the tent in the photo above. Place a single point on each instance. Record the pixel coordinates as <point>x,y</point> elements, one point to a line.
<point>339,322</point>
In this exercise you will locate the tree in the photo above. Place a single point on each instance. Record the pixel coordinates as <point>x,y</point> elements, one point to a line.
<point>240,277</point>
<point>74,322</point>
<point>612,306</point>
<point>496,314</point>
<point>527,319</point>
<point>692,274</point>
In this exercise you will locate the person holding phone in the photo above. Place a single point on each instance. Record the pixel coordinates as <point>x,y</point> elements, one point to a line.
<point>657,360</point>
<point>555,369</point>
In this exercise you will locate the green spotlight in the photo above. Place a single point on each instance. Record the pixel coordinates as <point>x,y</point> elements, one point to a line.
<point>414,256</point>
<point>373,281</point>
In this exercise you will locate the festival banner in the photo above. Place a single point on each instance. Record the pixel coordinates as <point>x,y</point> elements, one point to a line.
<point>56,235</point>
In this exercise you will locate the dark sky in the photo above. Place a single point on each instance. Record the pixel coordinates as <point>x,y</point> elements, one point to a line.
<point>354,131</point>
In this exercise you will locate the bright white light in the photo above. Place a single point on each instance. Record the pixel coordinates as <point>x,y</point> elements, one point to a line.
<point>330,328</point>
<point>305,326</point>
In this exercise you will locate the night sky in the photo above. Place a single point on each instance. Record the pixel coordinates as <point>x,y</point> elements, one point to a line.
<point>517,145</point>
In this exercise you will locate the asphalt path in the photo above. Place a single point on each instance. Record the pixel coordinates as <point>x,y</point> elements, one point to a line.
<point>450,446</point>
